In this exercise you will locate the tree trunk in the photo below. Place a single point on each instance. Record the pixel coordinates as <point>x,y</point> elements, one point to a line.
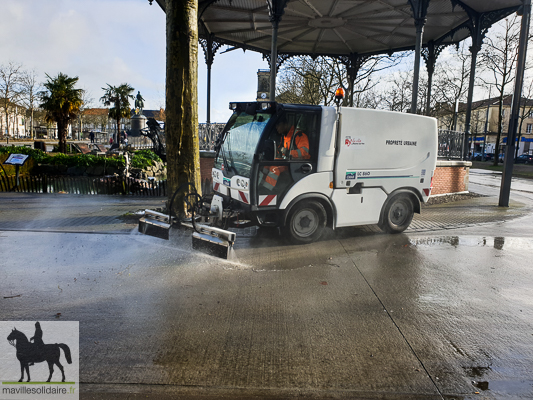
<point>31,126</point>
<point>181,127</point>
<point>118,107</point>
<point>117,133</point>
<point>62,132</point>
<point>7,122</point>
<point>499,135</point>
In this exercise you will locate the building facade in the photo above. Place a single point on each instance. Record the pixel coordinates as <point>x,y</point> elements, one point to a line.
<point>484,124</point>
<point>14,125</point>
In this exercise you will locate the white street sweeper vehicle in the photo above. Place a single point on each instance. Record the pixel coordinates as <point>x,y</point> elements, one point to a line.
<point>304,168</point>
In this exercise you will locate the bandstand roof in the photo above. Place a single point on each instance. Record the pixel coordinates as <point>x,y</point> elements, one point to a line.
<point>340,27</point>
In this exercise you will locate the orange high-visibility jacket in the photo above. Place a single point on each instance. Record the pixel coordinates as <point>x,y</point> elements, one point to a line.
<point>301,143</point>
<point>269,176</point>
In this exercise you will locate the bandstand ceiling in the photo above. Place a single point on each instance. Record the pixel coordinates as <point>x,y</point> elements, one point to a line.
<point>339,27</point>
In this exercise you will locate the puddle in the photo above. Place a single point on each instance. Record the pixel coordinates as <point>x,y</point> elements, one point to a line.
<point>515,388</point>
<point>507,388</point>
<point>499,243</point>
<point>520,388</point>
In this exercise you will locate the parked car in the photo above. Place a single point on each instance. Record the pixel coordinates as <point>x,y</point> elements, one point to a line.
<point>478,157</point>
<point>524,159</point>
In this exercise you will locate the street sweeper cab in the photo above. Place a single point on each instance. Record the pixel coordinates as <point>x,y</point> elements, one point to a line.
<point>304,168</point>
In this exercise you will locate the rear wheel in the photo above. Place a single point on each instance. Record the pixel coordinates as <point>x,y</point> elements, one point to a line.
<point>306,222</point>
<point>398,214</point>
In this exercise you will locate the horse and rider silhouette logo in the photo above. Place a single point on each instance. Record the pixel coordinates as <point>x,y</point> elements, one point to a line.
<point>34,351</point>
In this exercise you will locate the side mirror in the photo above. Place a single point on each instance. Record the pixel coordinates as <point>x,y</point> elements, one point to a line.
<point>269,150</point>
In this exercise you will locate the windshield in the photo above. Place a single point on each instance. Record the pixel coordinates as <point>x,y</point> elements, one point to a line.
<point>240,141</point>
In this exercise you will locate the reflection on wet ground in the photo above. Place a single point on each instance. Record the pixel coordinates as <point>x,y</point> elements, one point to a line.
<point>500,388</point>
<point>455,241</point>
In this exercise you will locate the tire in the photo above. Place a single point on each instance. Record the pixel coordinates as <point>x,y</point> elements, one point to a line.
<point>306,222</point>
<point>398,214</point>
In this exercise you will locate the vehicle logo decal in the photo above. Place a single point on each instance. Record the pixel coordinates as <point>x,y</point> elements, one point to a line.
<point>351,175</point>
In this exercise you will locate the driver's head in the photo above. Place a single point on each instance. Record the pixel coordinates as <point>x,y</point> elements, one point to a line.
<point>282,125</point>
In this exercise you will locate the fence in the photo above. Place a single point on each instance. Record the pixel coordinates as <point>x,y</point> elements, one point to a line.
<point>451,144</point>
<point>83,185</point>
<point>90,185</point>
<point>140,142</point>
<point>208,134</point>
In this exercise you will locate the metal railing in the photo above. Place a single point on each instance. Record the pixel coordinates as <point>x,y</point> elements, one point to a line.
<point>451,144</point>
<point>208,134</point>
<point>140,142</point>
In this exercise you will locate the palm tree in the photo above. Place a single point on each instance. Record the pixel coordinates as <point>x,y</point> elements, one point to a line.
<point>61,102</point>
<point>119,97</point>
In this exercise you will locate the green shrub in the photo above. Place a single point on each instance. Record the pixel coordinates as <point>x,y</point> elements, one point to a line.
<point>36,154</point>
<point>82,160</point>
<point>144,158</point>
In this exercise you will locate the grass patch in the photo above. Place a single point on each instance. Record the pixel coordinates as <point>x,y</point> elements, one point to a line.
<point>519,170</point>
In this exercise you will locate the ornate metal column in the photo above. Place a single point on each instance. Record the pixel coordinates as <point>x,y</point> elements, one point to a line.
<point>276,8</point>
<point>353,64</point>
<point>478,30</point>
<point>420,8</point>
<point>478,25</point>
<point>210,48</point>
<point>430,55</point>
<point>507,174</point>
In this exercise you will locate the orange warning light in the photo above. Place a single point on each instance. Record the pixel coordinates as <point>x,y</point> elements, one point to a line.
<point>339,94</point>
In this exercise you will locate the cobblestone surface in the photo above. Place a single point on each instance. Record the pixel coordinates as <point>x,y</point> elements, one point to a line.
<point>101,214</point>
<point>70,213</point>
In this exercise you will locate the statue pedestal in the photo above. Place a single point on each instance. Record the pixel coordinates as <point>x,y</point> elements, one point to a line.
<point>138,122</point>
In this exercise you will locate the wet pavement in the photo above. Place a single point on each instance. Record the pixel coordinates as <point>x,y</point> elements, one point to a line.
<point>442,311</point>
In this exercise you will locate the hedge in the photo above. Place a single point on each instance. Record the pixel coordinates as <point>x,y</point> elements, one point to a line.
<point>141,159</point>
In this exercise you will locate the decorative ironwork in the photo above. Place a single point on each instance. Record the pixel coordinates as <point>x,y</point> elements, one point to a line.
<point>208,134</point>
<point>420,10</point>
<point>276,9</point>
<point>210,47</point>
<point>203,5</point>
<point>280,60</point>
<point>431,53</point>
<point>451,144</point>
<point>353,63</point>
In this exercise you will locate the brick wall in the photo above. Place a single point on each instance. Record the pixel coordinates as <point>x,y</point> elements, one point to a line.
<point>207,160</point>
<point>451,177</point>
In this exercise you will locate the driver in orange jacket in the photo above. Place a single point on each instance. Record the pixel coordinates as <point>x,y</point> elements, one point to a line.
<point>301,141</point>
<point>300,150</point>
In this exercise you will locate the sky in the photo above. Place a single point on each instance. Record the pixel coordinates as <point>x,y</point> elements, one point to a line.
<point>112,42</point>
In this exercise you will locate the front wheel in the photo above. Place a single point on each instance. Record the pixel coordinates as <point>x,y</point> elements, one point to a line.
<point>306,222</point>
<point>398,214</point>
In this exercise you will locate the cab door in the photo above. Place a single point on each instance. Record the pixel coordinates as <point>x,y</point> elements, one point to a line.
<point>275,177</point>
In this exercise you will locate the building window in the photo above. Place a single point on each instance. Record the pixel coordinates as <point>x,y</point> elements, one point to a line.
<point>529,128</point>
